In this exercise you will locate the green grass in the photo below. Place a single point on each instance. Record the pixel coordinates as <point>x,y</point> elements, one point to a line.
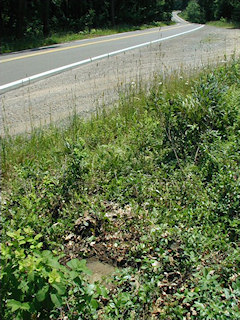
<point>224,24</point>
<point>151,186</point>
<point>35,41</point>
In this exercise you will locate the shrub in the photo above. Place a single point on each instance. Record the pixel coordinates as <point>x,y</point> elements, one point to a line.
<point>36,284</point>
<point>193,12</point>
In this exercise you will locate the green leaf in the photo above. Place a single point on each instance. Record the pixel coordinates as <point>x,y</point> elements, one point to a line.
<point>38,236</point>
<point>25,306</point>
<point>104,292</point>
<point>94,303</point>
<point>15,305</point>
<point>53,262</point>
<point>55,276</point>
<point>60,288</point>
<point>73,274</point>
<point>39,245</point>
<point>56,300</point>
<point>41,294</point>
<point>199,305</point>
<point>47,254</point>
<point>31,276</point>
<point>90,289</point>
<point>28,231</point>
<point>11,234</point>
<point>76,264</point>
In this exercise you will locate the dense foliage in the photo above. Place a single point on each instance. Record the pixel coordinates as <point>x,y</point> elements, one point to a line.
<point>202,11</point>
<point>26,17</point>
<point>152,186</point>
<point>35,284</point>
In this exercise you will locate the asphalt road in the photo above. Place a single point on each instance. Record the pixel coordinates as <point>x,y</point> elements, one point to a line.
<point>32,63</point>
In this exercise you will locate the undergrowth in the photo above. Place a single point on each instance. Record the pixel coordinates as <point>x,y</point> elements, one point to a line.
<point>152,186</point>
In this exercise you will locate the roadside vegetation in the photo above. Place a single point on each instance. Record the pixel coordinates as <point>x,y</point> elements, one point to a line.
<point>219,13</point>
<point>31,24</point>
<point>151,186</point>
<point>11,44</point>
<point>223,23</point>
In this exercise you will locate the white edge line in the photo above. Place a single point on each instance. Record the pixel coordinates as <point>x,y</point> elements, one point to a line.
<point>19,83</point>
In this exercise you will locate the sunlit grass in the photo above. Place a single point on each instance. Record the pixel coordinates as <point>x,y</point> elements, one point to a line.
<point>224,24</point>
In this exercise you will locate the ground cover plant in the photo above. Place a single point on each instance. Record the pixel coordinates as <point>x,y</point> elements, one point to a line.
<point>152,186</point>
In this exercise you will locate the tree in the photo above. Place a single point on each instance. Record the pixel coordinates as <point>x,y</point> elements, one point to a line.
<point>180,4</point>
<point>207,9</point>
<point>236,10</point>
<point>45,17</point>
<point>39,17</point>
<point>194,12</point>
<point>222,8</point>
<point>113,12</point>
<point>21,5</point>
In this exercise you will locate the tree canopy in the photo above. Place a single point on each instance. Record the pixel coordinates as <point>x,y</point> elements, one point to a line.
<point>207,10</point>
<point>21,17</point>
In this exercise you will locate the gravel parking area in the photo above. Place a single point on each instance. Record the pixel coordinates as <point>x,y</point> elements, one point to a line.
<point>100,83</point>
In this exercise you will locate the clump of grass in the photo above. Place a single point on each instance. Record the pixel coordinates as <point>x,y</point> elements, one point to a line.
<point>152,186</point>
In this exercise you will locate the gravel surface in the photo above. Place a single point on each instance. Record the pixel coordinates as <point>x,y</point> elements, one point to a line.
<point>91,86</point>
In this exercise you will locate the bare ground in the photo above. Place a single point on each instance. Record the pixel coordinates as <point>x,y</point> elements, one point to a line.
<point>89,87</point>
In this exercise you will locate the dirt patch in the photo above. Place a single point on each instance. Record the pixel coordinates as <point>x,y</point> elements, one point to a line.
<point>109,237</point>
<point>100,270</point>
<point>89,87</point>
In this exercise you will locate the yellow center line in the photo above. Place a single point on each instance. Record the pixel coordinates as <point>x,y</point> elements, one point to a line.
<point>86,44</point>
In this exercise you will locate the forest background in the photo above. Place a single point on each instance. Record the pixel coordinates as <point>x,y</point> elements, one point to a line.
<point>23,18</point>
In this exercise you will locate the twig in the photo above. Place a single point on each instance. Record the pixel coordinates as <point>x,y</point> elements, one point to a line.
<point>196,154</point>
<point>174,149</point>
